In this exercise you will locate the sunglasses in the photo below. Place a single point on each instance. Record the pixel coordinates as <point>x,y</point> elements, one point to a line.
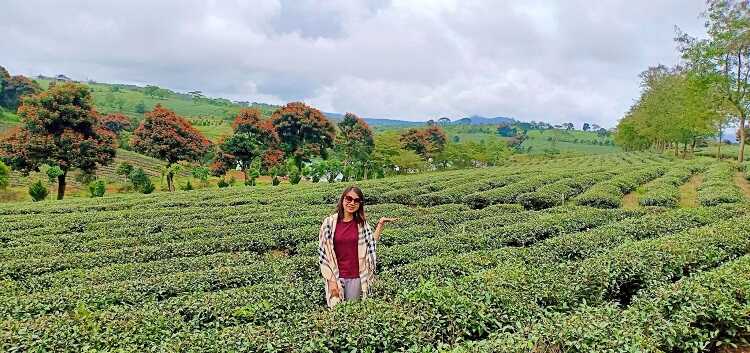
<point>349,199</point>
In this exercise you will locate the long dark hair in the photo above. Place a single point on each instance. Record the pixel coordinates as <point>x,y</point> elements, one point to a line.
<point>359,216</point>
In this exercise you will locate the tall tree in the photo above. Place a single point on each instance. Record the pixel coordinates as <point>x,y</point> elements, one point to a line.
<point>726,53</point>
<point>425,142</point>
<point>59,127</point>
<point>169,137</point>
<point>355,139</point>
<point>253,138</point>
<point>304,132</point>
<point>677,106</point>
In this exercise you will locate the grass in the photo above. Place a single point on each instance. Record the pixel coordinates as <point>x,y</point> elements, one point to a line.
<point>630,201</point>
<point>689,192</point>
<point>212,117</point>
<point>739,178</point>
<point>7,120</point>
<point>568,142</point>
<point>727,151</point>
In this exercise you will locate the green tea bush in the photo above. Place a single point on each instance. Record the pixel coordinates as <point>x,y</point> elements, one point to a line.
<point>718,186</point>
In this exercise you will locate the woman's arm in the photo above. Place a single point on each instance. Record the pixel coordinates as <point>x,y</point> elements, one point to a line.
<point>379,227</point>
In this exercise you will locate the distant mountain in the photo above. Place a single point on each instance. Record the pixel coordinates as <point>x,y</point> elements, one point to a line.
<point>480,120</point>
<point>377,121</point>
<point>471,120</point>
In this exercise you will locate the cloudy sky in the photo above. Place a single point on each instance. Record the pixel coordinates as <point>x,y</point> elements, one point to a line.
<point>556,61</point>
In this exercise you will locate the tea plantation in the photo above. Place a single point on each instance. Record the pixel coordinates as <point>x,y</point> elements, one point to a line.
<point>535,257</point>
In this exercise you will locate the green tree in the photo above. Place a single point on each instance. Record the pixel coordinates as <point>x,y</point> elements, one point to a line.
<point>12,88</point>
<point>355,140</point>
<point>724,53</point>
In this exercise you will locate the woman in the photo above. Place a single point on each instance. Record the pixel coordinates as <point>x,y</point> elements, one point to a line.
<point>347,249</point>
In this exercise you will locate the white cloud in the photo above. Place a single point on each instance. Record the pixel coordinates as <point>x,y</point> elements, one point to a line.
<point>564,61</point>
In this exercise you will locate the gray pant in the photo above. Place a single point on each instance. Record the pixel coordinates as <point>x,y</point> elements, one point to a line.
<point>352,288</point>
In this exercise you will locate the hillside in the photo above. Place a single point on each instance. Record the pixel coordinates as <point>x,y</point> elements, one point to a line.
<point>539,252</point>
<point>568,142</point>
<point>151,166</point>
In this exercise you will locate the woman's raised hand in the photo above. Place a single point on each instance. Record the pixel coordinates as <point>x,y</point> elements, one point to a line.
<point>384,220</point>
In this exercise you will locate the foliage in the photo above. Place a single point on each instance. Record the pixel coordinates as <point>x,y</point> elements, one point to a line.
<point>97,188</point>
<point>187,186</point>
<point>169,137</point>
<point>304,132</point>
<point>115,122</point>
<point>53,173</point>
<point>4,175</point>
<point>253,138</point>
<point>210,270</point>
<point>355,139</point>
<point>38,191</point>
<point>201,173</point>
<point>13,88</point>
<point>140,180</point>
<point>668,94</point>
<point>425,142</point>
<point>59,127</point>
<point>724,55</point>
<point>124,169</point>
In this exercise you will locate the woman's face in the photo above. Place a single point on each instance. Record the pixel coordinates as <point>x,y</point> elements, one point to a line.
<point>351,202</point>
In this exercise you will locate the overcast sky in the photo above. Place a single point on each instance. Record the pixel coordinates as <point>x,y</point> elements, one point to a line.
<point>556,61</point>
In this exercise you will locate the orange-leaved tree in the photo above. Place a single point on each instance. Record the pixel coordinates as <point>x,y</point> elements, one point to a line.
<point>304,132</point>
<point>169,137</point>
<point>254,138</point>
<point>425,142</point>
<point>58,127</point>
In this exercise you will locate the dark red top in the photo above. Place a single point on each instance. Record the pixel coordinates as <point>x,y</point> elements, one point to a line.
<point>345,240</point>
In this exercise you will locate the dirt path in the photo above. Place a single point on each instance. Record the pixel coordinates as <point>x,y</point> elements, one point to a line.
<point>739,178</point>
<point>630,200</point>
<point>689,192</point>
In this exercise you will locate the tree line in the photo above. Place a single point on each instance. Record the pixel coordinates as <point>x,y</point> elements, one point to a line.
<point>61,128</point>
<point>682,106</point>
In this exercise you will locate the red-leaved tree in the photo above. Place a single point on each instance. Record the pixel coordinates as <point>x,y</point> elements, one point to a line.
<point>169,137</point>
<point>253,138</point>
<point>425,142</point>
<point>58,127</point>
<point>304,132</point>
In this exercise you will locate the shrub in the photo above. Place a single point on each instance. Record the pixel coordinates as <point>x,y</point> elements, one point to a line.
<point>275,181</point>
<point>124,169</point>
<point>201,173</point>
<point>53,172</point>
<point>97,188</point>
<point>187,186</point>
<point>222,183</point>
<point>38,191</point>
<point>295,177</point>
<point>141,181</point>
<point>4,175</point>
